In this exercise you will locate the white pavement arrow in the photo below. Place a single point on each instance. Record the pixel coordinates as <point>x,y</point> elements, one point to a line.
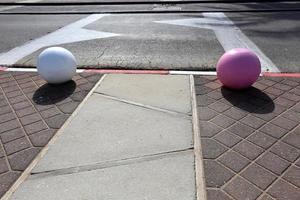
<point>68,34</point>
<point>227,33</point>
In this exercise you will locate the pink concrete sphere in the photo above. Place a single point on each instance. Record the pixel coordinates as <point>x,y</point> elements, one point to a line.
<point>238,68</point>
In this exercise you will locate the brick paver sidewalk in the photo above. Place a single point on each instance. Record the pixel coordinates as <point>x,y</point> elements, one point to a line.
<point>30,114</point>
<point>250,139</point>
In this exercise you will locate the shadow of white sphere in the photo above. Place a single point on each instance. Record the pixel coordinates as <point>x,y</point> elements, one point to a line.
<point>56,65</point>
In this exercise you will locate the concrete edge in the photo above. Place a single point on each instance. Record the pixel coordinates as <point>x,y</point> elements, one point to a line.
<point>199,171</point>
<point>42,153</point>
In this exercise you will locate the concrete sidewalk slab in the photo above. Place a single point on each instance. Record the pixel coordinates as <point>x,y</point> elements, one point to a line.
<point>115,148</point>
<point>165,178</point>
<point>154,90</point>
<point>106,130</point>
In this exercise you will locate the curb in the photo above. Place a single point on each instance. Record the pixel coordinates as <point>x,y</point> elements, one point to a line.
<point>159,72</point>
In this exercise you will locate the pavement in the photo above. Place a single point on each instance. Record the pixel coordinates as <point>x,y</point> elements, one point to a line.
<point>131,138</point>
<point>169,135</point>
<point>250,139</point>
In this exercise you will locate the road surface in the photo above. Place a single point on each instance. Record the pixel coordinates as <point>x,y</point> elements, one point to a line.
<point>152,36</point>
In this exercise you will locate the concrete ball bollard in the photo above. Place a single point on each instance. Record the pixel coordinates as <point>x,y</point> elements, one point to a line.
<point>56,65</point>
<point>238,68</point>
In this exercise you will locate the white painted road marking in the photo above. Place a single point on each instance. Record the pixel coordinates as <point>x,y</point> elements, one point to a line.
<point>227,33</point>
<point>13,7</point>
<point>71,33</point>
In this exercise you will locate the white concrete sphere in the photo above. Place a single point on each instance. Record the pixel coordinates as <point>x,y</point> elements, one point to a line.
<point>56,65</point>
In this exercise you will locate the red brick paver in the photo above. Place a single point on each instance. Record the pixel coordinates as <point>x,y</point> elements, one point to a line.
<point>31,112</point>
<point>250,139</point>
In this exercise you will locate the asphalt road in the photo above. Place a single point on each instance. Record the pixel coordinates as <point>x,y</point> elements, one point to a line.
<point>155,41</point>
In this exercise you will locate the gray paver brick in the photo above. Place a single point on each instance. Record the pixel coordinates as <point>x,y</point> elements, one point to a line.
<point>12,135</point>
<point>282,86</point>
<point>35,127</point>
<point>213,194</point>
<point>261,139</point>
<point>234,161</point>
<point>241,130</point>
<point>2,153</point>
<point>284,123</point>
<point>293,138</point>
<point>9,125</point>
<point>235,113</point>
<point>16,145</point>
<point>25,111</point>
<point>68,108</point>
<point>292,175</point>
<point>211,149</point>
<point>208,129</point>
<point>222,121</point>
<point>14,94</point>
<point>273,163</point>
<point>21,105</point>
<point>5,109</point>
<point>253,121</point>
<point>203,90</point>
<point>40,139</point>
<point>265,197</point>
<point>204,100</point>
<point>50,112</point>
<point>28,119</point>
<point>206,113</point>
<point>290,82</point>
<point>7,180</point>
<point>214,85</point>
<point>282,190</point>
<point>259,176</point>
<point>216,174</point>
<point>19,161</point>
<point>286,151</point>
<point>7,117</point>
<point>241,189</point>
<point>290,114</point>
<point>3,166</point>
<point>57,121</point>
<point>251,151</point>
<point>284,102</point>
<point>269,112</point>
<point>227,138</point>
<point>3,102</point>
<point>273,130</point>
<point>291,96</point>
<point>216,94</point>
<point>219,107</point>
<point>274,91</point>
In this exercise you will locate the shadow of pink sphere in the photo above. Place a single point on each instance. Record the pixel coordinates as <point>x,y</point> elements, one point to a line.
<point>238,68</point>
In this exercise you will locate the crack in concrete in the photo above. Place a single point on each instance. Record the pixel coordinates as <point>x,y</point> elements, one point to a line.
<point>109,164</point>
<point>176,113</point>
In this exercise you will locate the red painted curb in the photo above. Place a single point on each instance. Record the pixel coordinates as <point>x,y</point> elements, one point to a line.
<point>117,71</point>
<point>3,68</point>
<point>283,75</point>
